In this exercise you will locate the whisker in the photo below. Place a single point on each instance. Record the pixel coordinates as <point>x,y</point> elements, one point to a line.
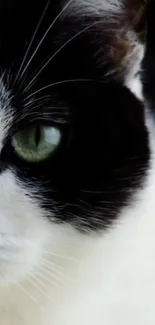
<point>57,52</point>
<point>31,42</point>
<point>43,269</point>
<point>41,288</point>
<point>23,316</point>
<point>53,269</point>
<point>26,293</point>
<point>31,102</point>
<point>48,280</point>
<point>69,258</point>
<point>52,263</point>
<point>62,117</point>
<point>48,114</point>
<point>44,36</point>
<point>59,83</point>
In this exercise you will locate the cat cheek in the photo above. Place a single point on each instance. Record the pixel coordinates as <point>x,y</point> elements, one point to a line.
<point>24,231</point>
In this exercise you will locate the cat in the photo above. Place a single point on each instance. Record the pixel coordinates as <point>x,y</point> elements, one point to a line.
<point>77,163</point>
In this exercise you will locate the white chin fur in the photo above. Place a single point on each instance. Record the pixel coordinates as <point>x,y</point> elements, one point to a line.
<point>81,279</point>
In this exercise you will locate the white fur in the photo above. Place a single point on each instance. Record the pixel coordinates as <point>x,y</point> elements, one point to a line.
<point>52,274</point>
<point>135,86</point>
<point>132,63</point>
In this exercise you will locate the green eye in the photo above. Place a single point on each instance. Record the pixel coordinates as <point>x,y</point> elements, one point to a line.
<point>36,144</point>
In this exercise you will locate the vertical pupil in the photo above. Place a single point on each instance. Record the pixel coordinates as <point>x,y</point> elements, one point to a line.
<point>37,135</point>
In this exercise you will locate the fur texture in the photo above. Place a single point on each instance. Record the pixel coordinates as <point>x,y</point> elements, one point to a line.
<point>77,230</point>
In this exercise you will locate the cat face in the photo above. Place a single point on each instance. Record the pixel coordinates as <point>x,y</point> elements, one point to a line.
<point>73,142</point>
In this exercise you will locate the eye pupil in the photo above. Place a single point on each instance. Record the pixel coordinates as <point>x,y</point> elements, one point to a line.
<point>37,135</point>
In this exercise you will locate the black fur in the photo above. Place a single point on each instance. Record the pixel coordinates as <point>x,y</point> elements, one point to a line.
<point>103,155</point>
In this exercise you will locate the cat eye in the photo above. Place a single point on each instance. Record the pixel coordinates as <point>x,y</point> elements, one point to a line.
<point>37,143</point>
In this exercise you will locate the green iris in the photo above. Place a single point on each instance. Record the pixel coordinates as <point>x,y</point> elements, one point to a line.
<point>35,144</point>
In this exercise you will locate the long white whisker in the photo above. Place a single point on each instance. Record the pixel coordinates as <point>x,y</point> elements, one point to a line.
<point>46,98</point>
<point>31,42</point>
<point>27,293</point>
<point>23,316</point>
<point>51,115</point>
<point>44,36</point>
<point>56,84</point>
<point>53,264</point>
<point>58,51</point>
<point>47,279</point>
<point>69,258</point>
<point>38,287</point>
<point>53,268</point>
<point>48,272</point>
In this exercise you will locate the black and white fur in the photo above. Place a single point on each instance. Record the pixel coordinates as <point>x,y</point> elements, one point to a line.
<point>77,241</point>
